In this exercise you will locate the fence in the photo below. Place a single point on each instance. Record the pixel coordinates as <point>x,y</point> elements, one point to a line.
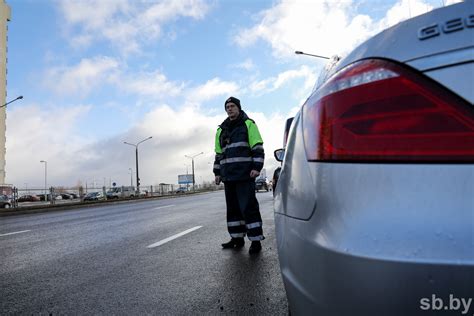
<point>25,197</point>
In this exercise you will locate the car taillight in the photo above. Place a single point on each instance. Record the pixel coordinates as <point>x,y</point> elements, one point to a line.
<point>376,110</point>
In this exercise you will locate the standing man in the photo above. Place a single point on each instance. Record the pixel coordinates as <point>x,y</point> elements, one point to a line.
<point>239,160</point>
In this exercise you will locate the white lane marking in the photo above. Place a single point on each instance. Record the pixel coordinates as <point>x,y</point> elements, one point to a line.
<point>23,231</point>
<point>157,208</point>
<point>164,241</point>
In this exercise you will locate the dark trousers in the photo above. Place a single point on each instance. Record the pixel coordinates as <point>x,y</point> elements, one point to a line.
<point>243,211</point>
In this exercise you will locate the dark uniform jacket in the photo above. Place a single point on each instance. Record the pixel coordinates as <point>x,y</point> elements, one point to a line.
<point>239,149</point>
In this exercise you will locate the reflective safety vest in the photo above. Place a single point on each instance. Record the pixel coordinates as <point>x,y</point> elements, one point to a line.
<point>239,149</point>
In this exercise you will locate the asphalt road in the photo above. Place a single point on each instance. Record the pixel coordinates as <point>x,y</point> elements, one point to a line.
<point>119,259</point>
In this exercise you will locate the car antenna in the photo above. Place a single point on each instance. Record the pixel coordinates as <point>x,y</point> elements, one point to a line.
<point>298,52</point>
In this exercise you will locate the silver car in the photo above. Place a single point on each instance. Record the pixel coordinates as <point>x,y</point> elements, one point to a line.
<point>374,207</point>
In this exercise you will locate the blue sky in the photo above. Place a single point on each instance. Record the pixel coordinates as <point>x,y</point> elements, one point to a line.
<point>95,73</point>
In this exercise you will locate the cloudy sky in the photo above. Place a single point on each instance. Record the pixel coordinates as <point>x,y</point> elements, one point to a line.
<point>96,73</point>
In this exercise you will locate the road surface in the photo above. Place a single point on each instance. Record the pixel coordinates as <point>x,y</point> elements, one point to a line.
<point>146,257</point>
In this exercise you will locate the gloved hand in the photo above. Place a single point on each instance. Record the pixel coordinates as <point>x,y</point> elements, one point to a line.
<point>254,174</point>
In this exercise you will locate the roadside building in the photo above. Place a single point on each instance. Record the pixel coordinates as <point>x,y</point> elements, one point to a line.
<point>4,18</point>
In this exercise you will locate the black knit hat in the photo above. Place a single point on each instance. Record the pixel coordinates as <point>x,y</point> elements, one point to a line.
<point>233,100</point>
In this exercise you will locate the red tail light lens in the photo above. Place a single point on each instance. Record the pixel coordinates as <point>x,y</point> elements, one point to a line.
<point>376,110</point>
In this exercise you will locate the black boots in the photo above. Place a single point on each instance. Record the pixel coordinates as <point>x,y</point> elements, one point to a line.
<point>255,247</point>
<point>234,243</point>
<point>237,243</point>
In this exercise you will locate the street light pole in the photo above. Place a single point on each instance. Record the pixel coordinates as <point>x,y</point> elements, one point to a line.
<point>318,56</point>
<point>136,160</point>
<point>18,98</point>
<point>136,168</point>
<point>131,179</point>
<point>192,159</point>
<point>45,178</point>
<point>187,183</point>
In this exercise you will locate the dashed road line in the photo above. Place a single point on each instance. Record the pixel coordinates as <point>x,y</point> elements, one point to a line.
<point>159,207</point>
<point>14,233</point>
<point>164,241</point>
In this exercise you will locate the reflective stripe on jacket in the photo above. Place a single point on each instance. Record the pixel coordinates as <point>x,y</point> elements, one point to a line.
<point>239,149</point>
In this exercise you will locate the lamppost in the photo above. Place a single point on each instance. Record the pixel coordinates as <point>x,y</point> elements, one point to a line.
<point>18,98</point>
<point>131,180</point>
<point>45,178</point>
<point>187,183</point>
<point>136,160</point>
<point>192,158</point>
<point>298,52</point>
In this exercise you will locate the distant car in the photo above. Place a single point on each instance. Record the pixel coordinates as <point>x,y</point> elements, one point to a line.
<point>94,196</point>
<point>73,195</point>
<point>28,198</point>
<point>181,190</point>
<point>5,201</point>
<point>66,196</point>
<point>121,192</point>
<point>374,204</point>
<point>261,184</point>
<point>48,197</point>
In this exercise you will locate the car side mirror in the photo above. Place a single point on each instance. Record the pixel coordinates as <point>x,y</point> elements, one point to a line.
<point>279,154</point>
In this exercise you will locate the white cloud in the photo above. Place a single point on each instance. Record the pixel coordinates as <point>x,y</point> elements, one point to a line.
<point>92,13</point>
<point>321,27</point>
<point>33,134</point>
<point>126,24</point>
<point>271,128</point>
<point>187,131</point>
<point>403,10</point>
<point>449,2</point>
<point>164,11</point>
<point>42,133</point>
<point>81,78</point>
<point>92,74</point>
<point>153,84</point>
<point>211,89</point>
<point>247,64</point>
<point>271,84</point>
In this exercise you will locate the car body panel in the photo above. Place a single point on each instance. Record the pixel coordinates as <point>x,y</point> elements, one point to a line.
<point>449,58</point>
<point>451,79</point>
<point>340,283</point>
<point>300,197</point>
<point>373,238</point>
<point>404,217</point>
<point>387,234</point>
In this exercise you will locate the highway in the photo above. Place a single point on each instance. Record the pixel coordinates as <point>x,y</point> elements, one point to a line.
<point>141,257</point>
